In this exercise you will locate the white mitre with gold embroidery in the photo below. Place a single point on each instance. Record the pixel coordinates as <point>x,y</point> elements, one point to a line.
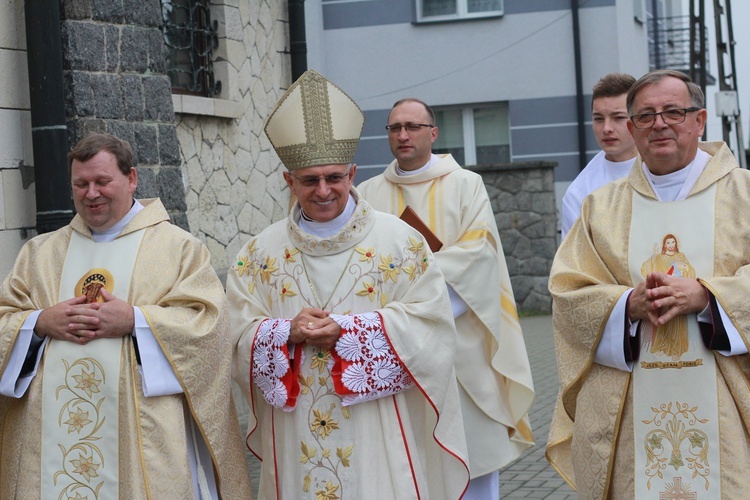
<point>315,123</point>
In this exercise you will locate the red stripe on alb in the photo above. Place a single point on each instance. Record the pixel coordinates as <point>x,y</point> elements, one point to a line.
<point>432,404</point>
<point>406,444</point>
<point>275,464</point>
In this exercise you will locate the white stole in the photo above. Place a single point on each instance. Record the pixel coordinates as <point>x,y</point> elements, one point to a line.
<point>80,431</point>
<point>675,401</point>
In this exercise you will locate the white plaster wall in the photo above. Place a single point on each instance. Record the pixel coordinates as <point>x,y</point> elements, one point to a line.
<point>233,178</point>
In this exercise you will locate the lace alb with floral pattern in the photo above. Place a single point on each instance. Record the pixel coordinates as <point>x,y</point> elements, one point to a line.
<point>365,366</point>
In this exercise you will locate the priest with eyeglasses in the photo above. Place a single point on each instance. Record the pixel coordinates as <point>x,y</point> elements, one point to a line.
<point>652,318</point>
<point>343,335</point>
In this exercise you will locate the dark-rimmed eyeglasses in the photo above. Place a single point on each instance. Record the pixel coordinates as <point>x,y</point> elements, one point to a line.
<point>409,127</point>
<point>311,181</point>
<point>669,116</point>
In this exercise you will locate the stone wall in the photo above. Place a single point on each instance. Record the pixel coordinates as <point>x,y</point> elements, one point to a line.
<point>115,81</point>
<point>234,185</point>
<point>17,199</point>
<point>523,199</point>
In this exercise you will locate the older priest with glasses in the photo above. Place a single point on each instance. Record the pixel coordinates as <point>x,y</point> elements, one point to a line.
<point>343,335</point>
<point>652,318</point>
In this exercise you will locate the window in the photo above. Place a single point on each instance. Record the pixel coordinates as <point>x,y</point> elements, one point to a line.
<point>477,135</point>
<point>191,38</point>
<point>438,10</point>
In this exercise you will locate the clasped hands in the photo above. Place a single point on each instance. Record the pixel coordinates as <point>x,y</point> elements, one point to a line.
<point>315,327</point>
<point>75,321</point>
<point>661,297</point>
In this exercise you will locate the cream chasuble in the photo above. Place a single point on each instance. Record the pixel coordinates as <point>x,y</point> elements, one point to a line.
<point>378,416</point>
<point>492,366</point>
<point>81,386</point>
<point>653,433</point>
<point>108,434</point>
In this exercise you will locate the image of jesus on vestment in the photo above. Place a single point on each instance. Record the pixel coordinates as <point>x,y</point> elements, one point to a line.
<point>671,338</point>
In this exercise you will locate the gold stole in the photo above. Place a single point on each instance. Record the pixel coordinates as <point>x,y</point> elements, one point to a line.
<point>80,430</point>
<point>675,401</point>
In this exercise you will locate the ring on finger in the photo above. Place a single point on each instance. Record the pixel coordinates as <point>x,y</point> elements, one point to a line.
<point>309,324</point>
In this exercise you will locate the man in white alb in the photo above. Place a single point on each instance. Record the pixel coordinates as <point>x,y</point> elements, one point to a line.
<point>610,123</point>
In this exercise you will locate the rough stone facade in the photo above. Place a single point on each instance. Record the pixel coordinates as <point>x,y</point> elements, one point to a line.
<point>234,187</point>
<point>523,200</point>
<point>116,81</point>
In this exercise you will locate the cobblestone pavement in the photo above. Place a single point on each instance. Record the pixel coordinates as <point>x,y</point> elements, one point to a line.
<point>530,476</point>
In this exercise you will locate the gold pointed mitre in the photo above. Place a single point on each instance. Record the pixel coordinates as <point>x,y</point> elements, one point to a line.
<point>315,123</point>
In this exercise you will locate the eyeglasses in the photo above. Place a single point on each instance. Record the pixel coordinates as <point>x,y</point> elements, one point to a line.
<point>410,127</point>
<point>310,181</point>
<point>669,116</point>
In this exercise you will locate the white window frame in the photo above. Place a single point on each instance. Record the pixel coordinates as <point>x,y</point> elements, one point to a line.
<point>462,12</point>
<point>469,135</point>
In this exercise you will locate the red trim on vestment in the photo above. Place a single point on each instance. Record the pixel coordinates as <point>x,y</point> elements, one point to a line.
<point>252,394</point>
<point>275,463</point>
<point>432,404</point>
<point>406,446</point>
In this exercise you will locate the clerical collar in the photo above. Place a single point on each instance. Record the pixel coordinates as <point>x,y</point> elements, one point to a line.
<point>433,159</point>
<point>677,185</point>
<point>110,234</point>
<point>611,163</point>
<point>327,229</point>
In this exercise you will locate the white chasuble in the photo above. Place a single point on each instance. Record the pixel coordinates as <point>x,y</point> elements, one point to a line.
<point>378,415</point>
<point>675,399</point>
<point>80,429</point>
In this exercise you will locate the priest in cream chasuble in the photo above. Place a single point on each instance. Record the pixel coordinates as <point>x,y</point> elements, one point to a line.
<point>492,366</point>
<point>86,413</point>
<point>672,424</point>
<point>343,336</point>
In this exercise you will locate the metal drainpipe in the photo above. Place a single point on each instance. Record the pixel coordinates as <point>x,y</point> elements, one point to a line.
<point>297,37</point>
<point>54,207</point>
<point>579,87</point>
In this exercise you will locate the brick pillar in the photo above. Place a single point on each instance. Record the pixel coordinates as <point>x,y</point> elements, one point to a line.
<point>116,81</point>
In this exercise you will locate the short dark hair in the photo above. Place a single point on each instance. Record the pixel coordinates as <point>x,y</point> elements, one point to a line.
<point>696,94</point>
<point>612,85</point>
<point>414,99</point>
<point>96,142</point>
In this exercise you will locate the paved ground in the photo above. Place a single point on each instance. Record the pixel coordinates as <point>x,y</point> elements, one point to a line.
<point>531,475</point>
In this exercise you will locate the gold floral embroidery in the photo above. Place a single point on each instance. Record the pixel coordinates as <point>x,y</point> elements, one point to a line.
<point>305,383</point>
<point>286,291</point>
<point>307,453</point>
<point>366,253</point>
<point>368,289</point>
<point>77,421</point>
<point>88,382</point>
<point>664,441</point>
<point>323,424</point>
<point>243,266</point>
<point>81,390</point>
<point>383,299</point>
<point>329,493</point>
<point>320,360</point>
<point>344,455</point>
<point>289,254</point>
<point>267,269</point>
<point>389,269</point>
<point>411,271</point>
<point>86,467</point>
<point>415,246</point>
